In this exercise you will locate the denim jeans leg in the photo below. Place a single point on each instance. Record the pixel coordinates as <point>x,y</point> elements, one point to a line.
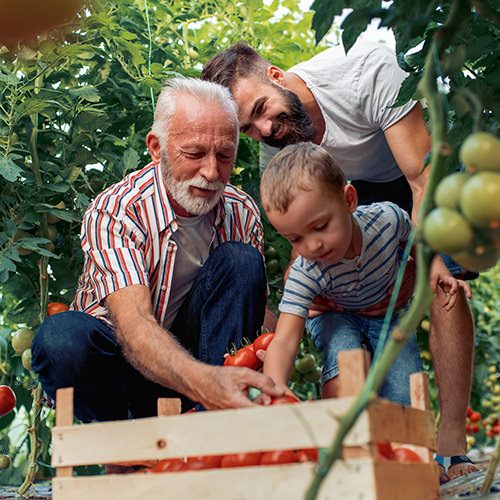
<point>333,332</point>
<point>74,349</point>
<point>396,386</point>
<point>226,303</point>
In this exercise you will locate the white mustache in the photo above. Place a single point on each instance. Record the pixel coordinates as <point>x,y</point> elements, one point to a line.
<point>202,183</point>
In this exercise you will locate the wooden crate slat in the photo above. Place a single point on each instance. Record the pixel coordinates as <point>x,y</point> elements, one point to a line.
<point>287,426</point>
<point>346,481</point>
<point>353,479</point>
<point>403,424</point>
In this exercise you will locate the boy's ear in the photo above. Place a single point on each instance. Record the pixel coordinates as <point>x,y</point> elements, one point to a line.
<point>276,75</point>
<point>351,197</point>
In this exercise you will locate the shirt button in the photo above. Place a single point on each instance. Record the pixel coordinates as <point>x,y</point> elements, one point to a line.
<point>361,287</point>
<point>358,265</point>
<point>164,288</point>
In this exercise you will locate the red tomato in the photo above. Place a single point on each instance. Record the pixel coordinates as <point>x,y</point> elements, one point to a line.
<point>475,416</point>
<point>385,451</point>
<point>307,455</point>
<point>169,465</point>
<point>474,428</point>
<point>285,399</point>
<point>56,307</point>
<point>241,459</point>
<point>244,357</point>
<point>469,411</point>
<point>496,429</point>
<point>204,461</point>
<point>7,400</point>
<point>406,455</point>
<point>262,341</point>
<point>275,457</point>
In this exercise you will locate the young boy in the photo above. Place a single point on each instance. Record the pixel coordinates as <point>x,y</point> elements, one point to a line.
<point>348,254</point>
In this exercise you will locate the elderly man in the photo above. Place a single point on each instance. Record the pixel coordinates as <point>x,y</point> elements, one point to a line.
<point>343,102</point>
<point>173,274</point>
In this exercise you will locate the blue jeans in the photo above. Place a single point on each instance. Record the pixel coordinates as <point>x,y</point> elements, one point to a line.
<point>335,331</point>
<point>73,349</point>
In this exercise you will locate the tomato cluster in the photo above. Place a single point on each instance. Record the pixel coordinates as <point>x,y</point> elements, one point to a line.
<point>306,369</point>
<point>476,423</point>
<point>245,459</point>
<point>466,221</point>
<point>247,356</point>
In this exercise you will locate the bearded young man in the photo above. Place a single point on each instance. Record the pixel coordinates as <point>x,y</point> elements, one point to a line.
<point>344,103</point>
<point>173,275</point>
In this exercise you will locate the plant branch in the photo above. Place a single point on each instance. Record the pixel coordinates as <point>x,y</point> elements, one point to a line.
<point>492,467</point>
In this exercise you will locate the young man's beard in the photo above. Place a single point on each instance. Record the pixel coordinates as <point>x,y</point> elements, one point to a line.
<point>180,192</point>
<point>300,127</point>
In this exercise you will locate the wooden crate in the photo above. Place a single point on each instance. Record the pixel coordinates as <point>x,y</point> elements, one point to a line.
<point>359,475</point>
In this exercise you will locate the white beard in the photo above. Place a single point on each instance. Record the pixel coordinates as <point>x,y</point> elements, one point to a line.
<point>180,192</point>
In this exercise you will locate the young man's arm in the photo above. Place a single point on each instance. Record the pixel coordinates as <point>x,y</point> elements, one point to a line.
<point>157,354</point>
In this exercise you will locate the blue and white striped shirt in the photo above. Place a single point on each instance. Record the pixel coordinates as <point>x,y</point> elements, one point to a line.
<point>353,283</point>
<point>126,239</point>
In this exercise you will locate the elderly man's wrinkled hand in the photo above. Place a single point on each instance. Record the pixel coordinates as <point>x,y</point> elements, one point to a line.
<point>227,387</point>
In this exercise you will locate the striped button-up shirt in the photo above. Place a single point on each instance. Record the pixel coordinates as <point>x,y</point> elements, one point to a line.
<point>127,240</point>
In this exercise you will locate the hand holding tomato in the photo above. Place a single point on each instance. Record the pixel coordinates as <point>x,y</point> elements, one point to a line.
<point>219,387</point>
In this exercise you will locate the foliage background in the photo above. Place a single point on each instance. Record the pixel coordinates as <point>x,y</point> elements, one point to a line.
<point>76,105</point>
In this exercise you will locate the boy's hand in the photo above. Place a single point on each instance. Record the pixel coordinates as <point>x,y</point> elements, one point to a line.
<point>321,304</point>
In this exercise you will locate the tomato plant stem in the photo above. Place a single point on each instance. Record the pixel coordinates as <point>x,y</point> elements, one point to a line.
<point>422,299</point>
<point>492,467</point>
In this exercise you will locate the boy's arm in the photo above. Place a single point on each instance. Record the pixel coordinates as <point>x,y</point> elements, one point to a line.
<point>282,351</point>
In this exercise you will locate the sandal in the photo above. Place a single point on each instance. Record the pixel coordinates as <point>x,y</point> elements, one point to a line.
<point>447,462</point>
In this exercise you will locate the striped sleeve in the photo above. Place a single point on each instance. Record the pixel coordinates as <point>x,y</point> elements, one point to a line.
<point>113,257</point>
<point>304,283</point>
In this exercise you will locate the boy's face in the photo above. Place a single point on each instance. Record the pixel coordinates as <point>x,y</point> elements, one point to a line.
<point>319,224</point>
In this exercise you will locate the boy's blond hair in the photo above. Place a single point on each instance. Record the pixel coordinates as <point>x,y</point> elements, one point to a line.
<point>298,167</point>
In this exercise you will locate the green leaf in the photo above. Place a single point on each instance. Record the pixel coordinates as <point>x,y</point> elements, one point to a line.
<point>324,13</point>
<point>130,160</point>
<point>9,170</point>
<point>88,93</point>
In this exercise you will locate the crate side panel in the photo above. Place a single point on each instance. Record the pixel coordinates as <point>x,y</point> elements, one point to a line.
<point>277,427</point>
<point>346,481</point>
<point>407,481</point>
<point>403,424</point>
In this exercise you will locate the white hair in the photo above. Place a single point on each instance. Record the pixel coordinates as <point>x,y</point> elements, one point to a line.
<point>206,91</point>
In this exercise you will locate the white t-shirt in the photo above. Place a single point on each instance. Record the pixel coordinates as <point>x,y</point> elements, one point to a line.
<point>354,92</point>
<point>193,244</point>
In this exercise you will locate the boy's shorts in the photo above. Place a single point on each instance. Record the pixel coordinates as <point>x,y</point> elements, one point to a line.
<point>335,331</point>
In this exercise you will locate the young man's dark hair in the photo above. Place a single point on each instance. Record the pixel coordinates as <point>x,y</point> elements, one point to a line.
<point>238,61</point>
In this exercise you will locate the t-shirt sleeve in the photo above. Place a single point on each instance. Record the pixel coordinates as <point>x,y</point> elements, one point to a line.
<point>379,84</point>
<point>304,283</point>
<point>265,156</point>
<point>112,247</point>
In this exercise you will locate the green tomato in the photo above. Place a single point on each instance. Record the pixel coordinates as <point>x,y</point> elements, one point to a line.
<point>5,462</point>
<point>273,266</point>
<point>305,364</point>
<point>447,194</point>
<point>26,359</point>
<point>447,231</point>
<point>22,339</point>
<point>480,200</point>
<point>314,375</point>
<point>480,151</point>
<point>485,259</point>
